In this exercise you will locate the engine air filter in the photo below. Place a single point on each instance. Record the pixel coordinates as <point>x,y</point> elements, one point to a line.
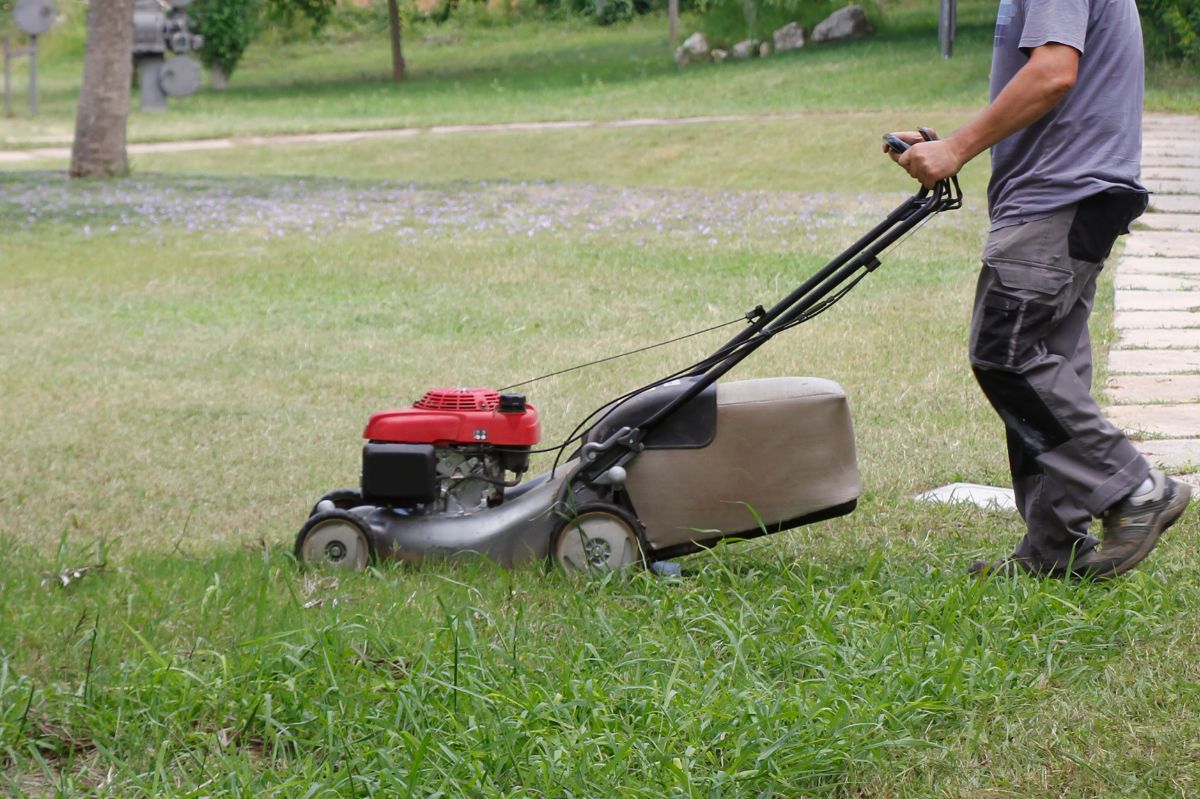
<point>459,399</point>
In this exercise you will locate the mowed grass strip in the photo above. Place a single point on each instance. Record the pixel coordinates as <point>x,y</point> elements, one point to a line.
<point>222,375</point>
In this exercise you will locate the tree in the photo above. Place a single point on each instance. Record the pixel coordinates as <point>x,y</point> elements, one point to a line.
<point>99,148</point>
<point>394,31</point>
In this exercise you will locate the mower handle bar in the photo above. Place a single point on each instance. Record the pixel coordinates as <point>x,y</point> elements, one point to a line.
<point>862,254</point>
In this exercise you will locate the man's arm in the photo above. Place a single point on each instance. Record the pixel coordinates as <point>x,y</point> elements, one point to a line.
<point>1033,91</point>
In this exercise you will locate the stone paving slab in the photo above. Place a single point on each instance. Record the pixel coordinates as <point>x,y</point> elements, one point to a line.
<point>1187,338</point>
<point>1148,389</point>
<point>1161,121</point>
<point>1161,162</point>
<point>1153,362</point>
<point>1173,455</point>
<point>1158,186</point>
<point>1153,320</point>
<point>1176,203</point>
<point>1184,174</point>
<point>1141,281</point>
<point>1163,242</point>
<point>1165,143</point>
<point>1156,265</point>
<point>1160,159</point>
<point>1157,301</point>
<point>1175,154</point>
<point>1160,221</point>
<point>1170,421</point>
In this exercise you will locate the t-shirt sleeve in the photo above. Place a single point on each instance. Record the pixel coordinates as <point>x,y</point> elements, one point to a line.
<point>1061,21</point>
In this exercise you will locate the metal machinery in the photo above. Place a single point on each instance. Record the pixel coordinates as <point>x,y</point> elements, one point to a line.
<point>159,30</point>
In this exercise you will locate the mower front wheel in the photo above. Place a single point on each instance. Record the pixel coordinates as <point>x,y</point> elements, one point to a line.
<point>334,538</point>
<point>598,538</point>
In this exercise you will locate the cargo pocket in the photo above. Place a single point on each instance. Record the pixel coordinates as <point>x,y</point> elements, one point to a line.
<point>1019,309</point>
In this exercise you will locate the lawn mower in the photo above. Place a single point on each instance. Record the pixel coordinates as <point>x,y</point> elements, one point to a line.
<point>668,469</point>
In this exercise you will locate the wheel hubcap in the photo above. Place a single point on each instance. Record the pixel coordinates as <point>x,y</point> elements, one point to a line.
<point>335,551</point>
<point>336,542</point>
<point>597,541</point>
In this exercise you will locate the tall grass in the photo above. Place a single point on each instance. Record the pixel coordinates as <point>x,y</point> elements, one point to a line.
<point>762,673</point>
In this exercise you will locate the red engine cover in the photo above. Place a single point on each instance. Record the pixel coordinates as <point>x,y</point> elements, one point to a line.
<point>456,416</point>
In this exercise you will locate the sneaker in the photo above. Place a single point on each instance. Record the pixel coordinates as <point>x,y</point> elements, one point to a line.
<point>1132,527</point>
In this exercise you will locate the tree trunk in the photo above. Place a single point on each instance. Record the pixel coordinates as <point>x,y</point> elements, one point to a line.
<point>394,29</point>
<point>99,148</point>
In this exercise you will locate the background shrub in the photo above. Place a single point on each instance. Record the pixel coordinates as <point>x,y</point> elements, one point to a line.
<point>228,27</point>
<point>606,12</point>
<point>1172,29</point>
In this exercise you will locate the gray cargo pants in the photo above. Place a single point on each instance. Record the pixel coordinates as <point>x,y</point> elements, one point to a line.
<point>1031,353</point>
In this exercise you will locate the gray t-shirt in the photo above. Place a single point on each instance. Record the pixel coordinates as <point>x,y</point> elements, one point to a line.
<point>1092,140</point>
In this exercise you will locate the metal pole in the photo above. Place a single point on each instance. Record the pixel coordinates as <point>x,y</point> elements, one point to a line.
<point>947,22</point>
<point>33,98</point>
<point>673,15</point>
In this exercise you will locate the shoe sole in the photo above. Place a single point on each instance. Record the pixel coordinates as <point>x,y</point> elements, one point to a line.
<point>1170,515</point>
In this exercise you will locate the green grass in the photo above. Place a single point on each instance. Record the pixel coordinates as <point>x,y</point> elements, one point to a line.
<point>770,672</point>
<point>188,359</point>
<point>558,71</point>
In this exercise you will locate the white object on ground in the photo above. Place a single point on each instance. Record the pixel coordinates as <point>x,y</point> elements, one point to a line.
<point>986,497</point>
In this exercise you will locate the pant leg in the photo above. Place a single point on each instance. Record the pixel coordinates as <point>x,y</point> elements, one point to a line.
<point>1057,526</point>
<point>1031,356</point>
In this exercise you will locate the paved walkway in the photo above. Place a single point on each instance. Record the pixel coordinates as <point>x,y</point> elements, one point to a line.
<point>63,152</point>
<point>1154,367</point>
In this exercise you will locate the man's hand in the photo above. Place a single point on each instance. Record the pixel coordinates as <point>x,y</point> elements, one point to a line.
<point>927,161</point>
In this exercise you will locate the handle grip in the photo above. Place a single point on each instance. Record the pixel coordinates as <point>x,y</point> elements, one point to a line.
<point>897,144</point>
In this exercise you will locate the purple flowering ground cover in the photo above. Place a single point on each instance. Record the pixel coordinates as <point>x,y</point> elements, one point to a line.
<point>310,207</point>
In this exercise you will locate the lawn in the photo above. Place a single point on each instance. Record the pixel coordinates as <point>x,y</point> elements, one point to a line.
<point>190,354</point>
<point>548,71</point>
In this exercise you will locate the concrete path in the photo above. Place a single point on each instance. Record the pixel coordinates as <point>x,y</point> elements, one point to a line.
<point>63,152</point>
<point>1154,367</point>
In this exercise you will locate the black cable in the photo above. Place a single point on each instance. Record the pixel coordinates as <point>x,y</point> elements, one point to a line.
<point>623,354</point>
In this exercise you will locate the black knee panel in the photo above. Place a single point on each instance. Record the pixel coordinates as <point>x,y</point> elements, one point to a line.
<point>1023,410</point>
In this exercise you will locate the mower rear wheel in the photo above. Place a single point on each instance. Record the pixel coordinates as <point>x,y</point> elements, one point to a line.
<point>334,538</point>
<point>598,538</point>
<point>342,499</point>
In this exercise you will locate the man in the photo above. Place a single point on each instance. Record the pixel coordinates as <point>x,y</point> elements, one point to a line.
<point>1064,128</point>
